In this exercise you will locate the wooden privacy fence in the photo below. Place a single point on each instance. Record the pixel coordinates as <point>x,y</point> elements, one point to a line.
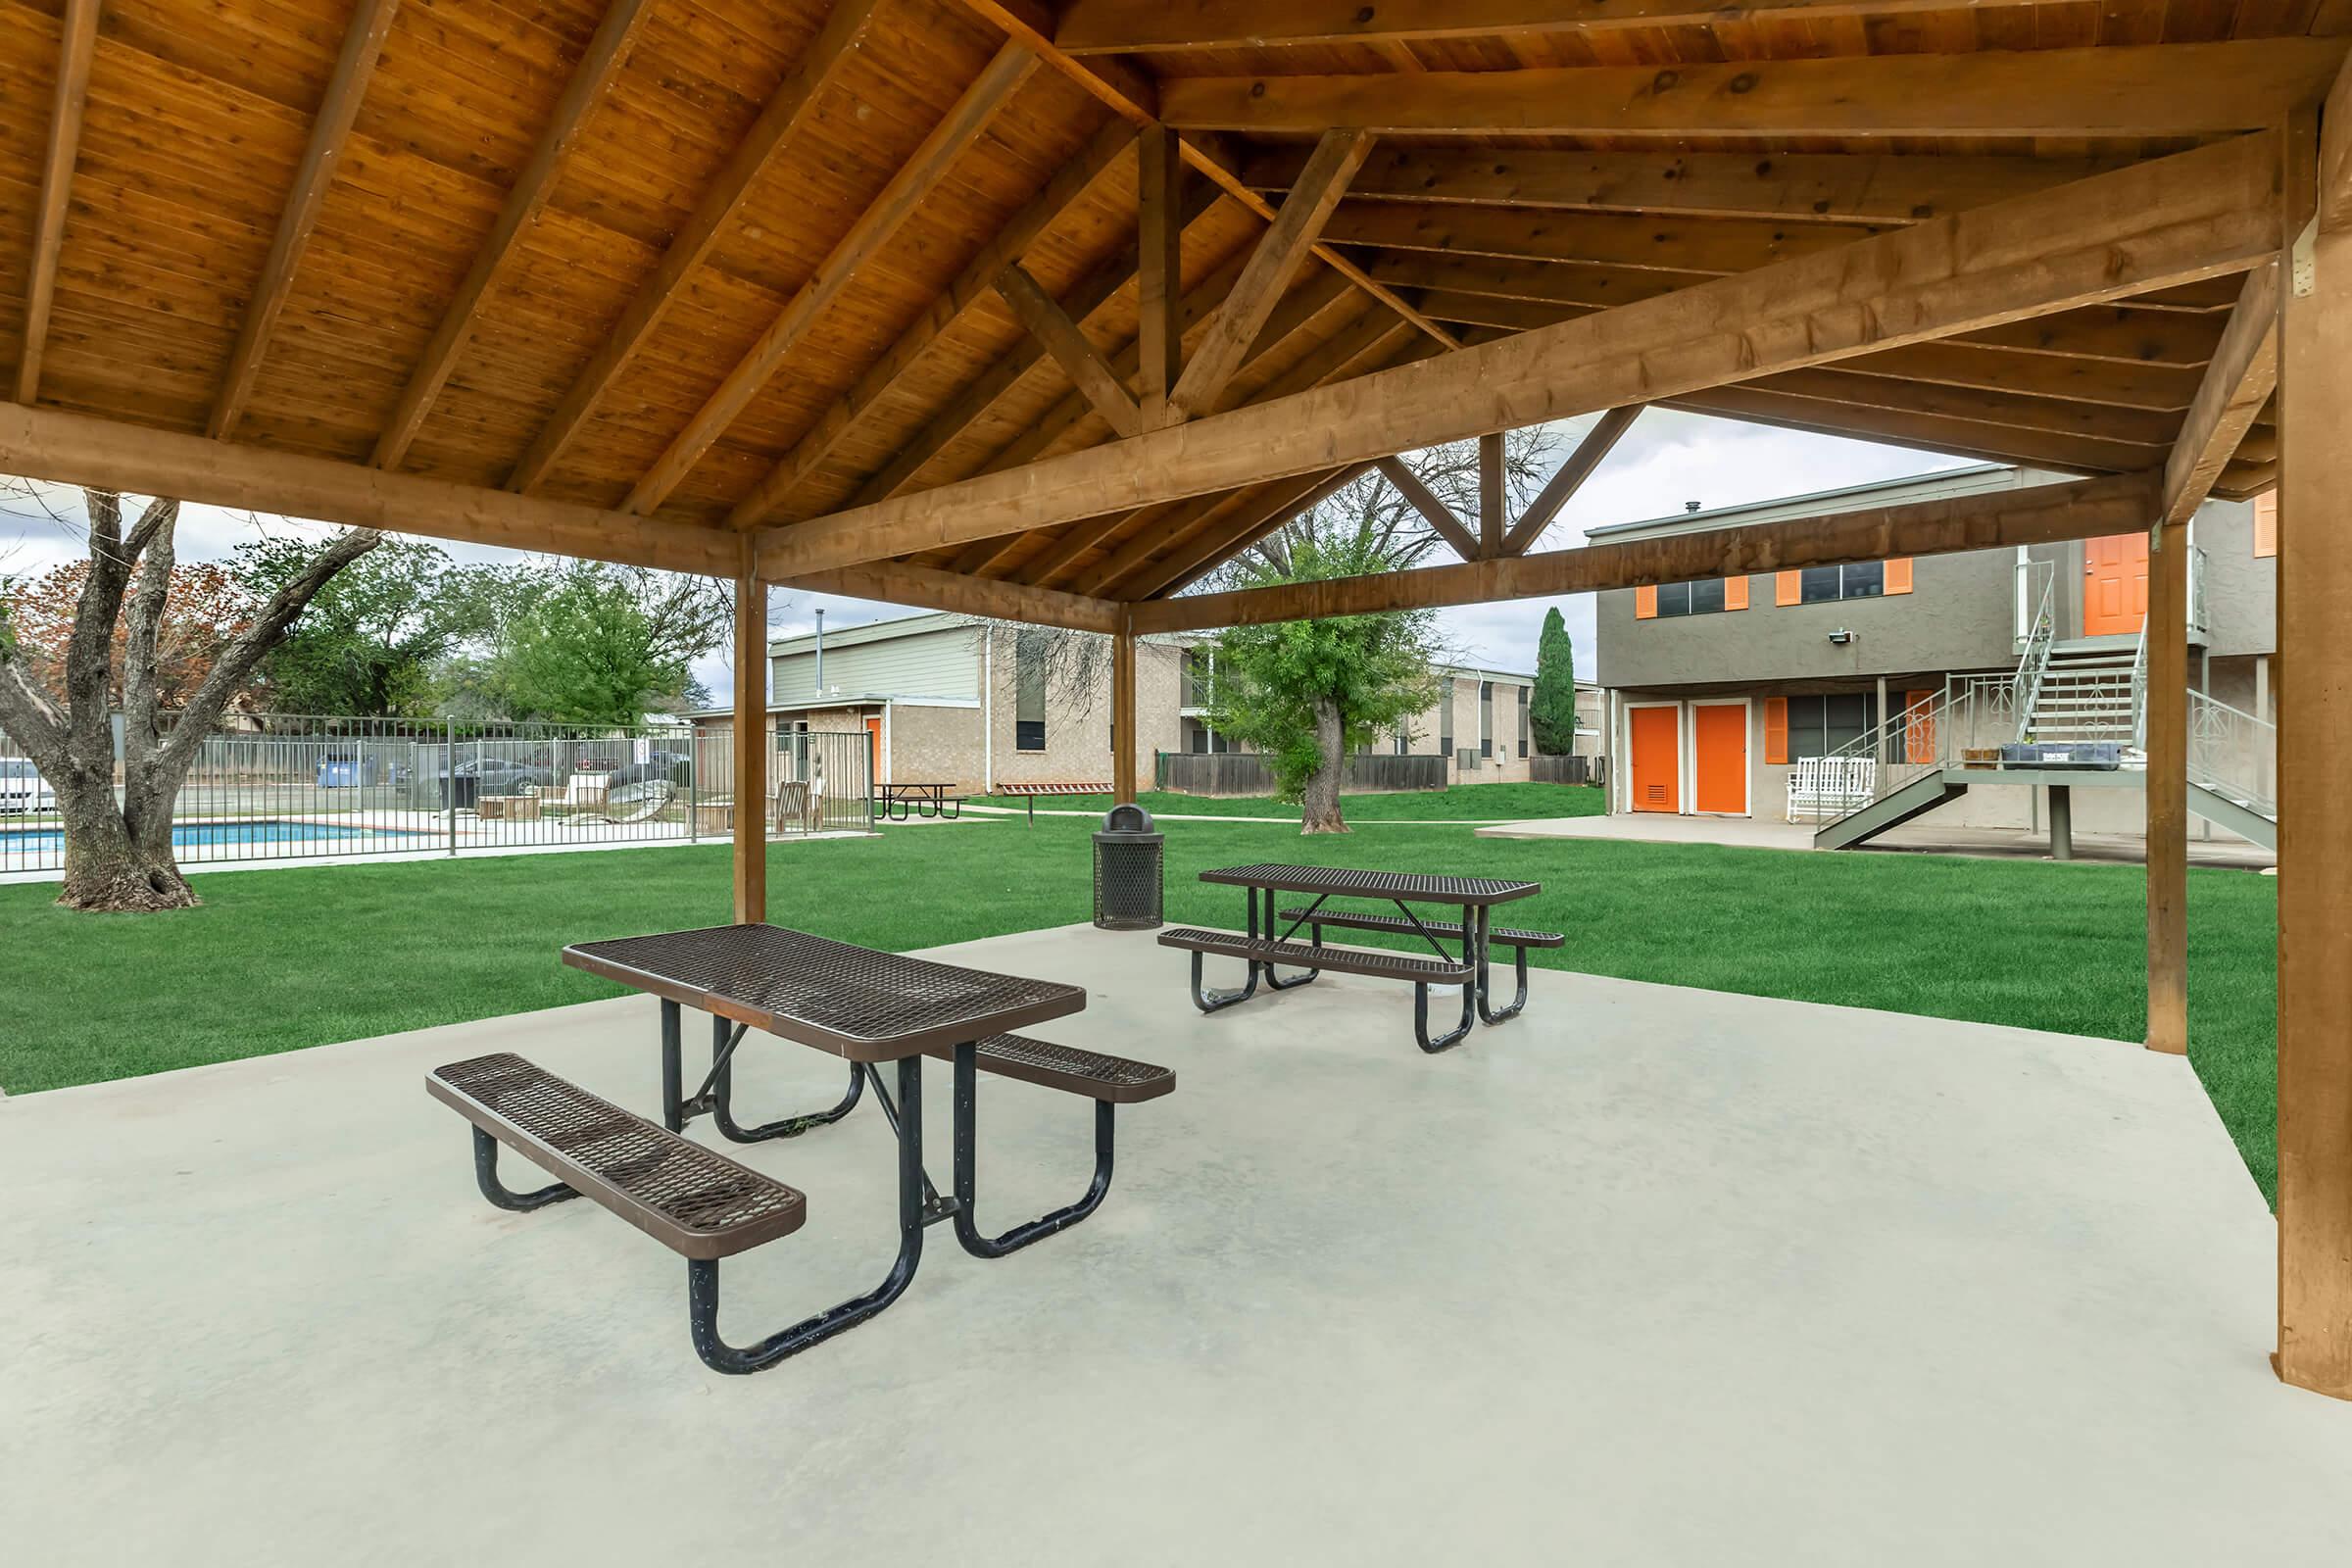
<point>1248,773</point>
<point>1567,769</point>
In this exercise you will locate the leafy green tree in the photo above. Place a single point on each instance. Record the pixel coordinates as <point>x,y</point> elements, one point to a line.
<point>1552,710</point>
<point>597,643</point>
<point>1308,693</point>
<point>369,644</point>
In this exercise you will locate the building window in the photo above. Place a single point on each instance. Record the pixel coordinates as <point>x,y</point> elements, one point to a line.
<point>1856,580</point>
<point>1198,664</point>
<point>1821,725</point>
<point>1446,722</point>
<point>1702,598</point>
<point>1485,719</point>
<point>1524,705</point>
<point>1404,741</point>
<point>1028,695</point>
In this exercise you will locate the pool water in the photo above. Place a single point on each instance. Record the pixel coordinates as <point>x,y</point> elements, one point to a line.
<point>32,840</point>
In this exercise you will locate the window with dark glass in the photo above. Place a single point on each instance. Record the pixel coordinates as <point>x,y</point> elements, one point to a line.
<point>1702,598</point>
<point>1856,580</point>
<point>1485,719</point>
<point>1821,725</point>
<point>1523,720</point>
<point>1446,722</point>
<point>1029,696</point>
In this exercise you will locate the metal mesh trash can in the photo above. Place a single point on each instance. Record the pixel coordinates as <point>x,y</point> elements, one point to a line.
<point>1127,872</point>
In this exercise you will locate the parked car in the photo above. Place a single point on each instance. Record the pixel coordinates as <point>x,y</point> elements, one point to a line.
<point>493,775</point>
<point>669,768</point>
<point>22,787</point>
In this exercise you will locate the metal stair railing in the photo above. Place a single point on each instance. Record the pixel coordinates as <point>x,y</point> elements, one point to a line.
<point>2233,753</point>
<point>2034,661</point>
<point>2140,690</point>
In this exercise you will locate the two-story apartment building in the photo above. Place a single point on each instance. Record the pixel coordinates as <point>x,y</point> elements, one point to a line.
<point>951,699</point>
<point>1718,690</point>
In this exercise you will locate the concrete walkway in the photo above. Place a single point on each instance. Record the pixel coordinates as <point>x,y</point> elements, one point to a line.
<point>1923,837</point>
<point>1648,1276</point>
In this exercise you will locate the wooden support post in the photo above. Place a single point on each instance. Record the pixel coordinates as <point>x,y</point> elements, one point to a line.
<point>1160,270</point>
<point>751,748</point>
<point>1489,495</point>
<point>1122,714</point>
<point>2314,679</point>
<point>2167,787</point>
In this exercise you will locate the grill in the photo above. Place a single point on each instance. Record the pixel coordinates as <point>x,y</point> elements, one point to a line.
<point>1128,871</point>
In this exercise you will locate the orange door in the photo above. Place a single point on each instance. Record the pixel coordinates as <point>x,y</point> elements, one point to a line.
<point>873,752</point>
<point>2115,584</point>
<point>1719,757</point>
<point>1657,759</point>
<point>1919,726</point>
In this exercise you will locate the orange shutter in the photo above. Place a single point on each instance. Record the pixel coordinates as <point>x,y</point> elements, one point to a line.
<point>1919,728</point>
<point>1646,603</point>
<point>1898,576</point>
<point>1787,587</point>
<point>2265,523</point>
<point>1776,730</point>
<point>1734,592</point>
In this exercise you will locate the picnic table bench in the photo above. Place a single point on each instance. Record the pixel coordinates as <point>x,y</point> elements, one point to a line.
<point>900,802</point>
<point>866,1007</point>
<point>1475,897</point>
<point>1032,792</point>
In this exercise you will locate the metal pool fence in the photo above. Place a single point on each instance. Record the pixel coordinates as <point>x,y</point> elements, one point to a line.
<point>281,786</point>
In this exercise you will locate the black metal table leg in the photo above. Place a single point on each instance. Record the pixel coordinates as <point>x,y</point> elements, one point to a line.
<point>485,1176</point>
<point>1273,979</point>
<point>1487,1012</point>
<point>702,1274</point>
<point>673,1110</point>
<point>967,1117</point>
<point>717,1096</point>
<point>1212,1000</point>
<point>1473,954</point>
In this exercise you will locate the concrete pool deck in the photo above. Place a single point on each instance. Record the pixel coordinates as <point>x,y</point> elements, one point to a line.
<point>1915,838</point>
<point>1649,1275</point>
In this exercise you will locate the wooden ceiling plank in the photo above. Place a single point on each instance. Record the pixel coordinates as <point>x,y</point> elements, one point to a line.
<point>2137,91</point>
<point>1682,245</point>
<point>362,44</point>
<point>786,110</point>
<point>2237,386</point>
<point>916,178</point>
<point>1145,27</point>
<point>1784,187</point>
<point>78,449</point>
<point>2194,214</point>
<point>1997,520</point>
<point>1065,190</point>
<point>1425,501</point>
<point>1281,251</point>
<point>77,47</point>
<point>1569,478</point>
<point>1071,349</point>
<point>608,53</point>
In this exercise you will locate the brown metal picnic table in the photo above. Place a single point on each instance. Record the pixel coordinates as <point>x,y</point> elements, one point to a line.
<point>869,1007</point>
<point>1266,944</point>
<point>898,801</point>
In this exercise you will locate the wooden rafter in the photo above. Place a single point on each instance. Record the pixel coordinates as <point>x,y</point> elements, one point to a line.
<point>1490,494</point>
<point>607,54</point>
<point>1434,510</point>
<point>787,109</point>
<point>1186,567</point>
<point>1159,271</point>
<point>2150,90</point>
<point>2041,515</point>
<point>1569,477</point>
<point>2194,214</point>
<point>1080,359</point>
<point>1065,190</point>
<point>1281,251</point>
<point>1142,27</point>
<point>1795,187</point>
<point>1761,403</point>
<point>896,582</point>
<point>2239,385</point>
<point>2335,156</point>
<point>1711,245</point>
<point>362,44</point>
<point>915,180</point>
<point>78,449</point>
<point>77,47</point>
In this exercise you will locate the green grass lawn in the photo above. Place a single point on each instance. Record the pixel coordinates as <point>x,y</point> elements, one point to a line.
<point>1456,802</point>
<point>285,958</point>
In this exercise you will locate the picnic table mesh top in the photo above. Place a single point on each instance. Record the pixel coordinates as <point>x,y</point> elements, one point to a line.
<point>832,994</point>
<point>1338,881</point>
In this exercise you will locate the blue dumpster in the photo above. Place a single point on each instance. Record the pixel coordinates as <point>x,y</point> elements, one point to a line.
<point>339,773</point>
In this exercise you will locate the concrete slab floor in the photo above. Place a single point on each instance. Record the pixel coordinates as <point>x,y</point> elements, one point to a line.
<point>1924,837</point>
<point>1649,1275</point>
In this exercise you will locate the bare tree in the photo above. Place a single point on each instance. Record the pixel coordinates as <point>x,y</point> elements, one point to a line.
<point>119,846</point>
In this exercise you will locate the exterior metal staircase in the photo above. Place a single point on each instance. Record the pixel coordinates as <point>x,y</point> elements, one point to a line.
<point>2083,694</point>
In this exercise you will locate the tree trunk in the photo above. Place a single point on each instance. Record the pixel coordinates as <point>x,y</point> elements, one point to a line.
<point>109,867</point>
<point>1320,801</point>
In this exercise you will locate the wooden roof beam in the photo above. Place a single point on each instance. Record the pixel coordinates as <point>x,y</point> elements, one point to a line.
<point>1083,363</point>
<point>1996,519</point>
<point>1435,511</point>
<point>76,448</point>
<point>2169,89</point>
<point>917,178</point>
<point>1699,246</point>
<point>2237,386</point>
<point>1142,26</point>
<point>1569,478</point>
<point>1767,402</point>
<point>362,44</point>
<point>1063,191</point>
<point>1784,189</point>
<point>77,47</point>
<point>786,110</point>
<point>2336,155</point>
<point>893,582</point>
<point>1189,567</point>
<point>1281,251</point>
<point>607,54</point>
<point>1159,273</point>
<point>2194,214</point>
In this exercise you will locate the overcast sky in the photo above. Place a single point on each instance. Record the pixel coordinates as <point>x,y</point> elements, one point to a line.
<point>1665,461</point>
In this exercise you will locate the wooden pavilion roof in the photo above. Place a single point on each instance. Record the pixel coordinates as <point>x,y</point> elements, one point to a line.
<point>650,278</point>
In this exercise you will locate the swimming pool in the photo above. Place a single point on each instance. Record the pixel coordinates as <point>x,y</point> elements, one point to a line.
<point>28,843</point>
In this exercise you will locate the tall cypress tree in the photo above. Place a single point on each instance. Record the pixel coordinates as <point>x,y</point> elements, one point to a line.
<point>1552,713</point>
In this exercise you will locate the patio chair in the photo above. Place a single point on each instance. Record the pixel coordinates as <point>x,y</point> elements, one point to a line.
<point>653,798</point>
